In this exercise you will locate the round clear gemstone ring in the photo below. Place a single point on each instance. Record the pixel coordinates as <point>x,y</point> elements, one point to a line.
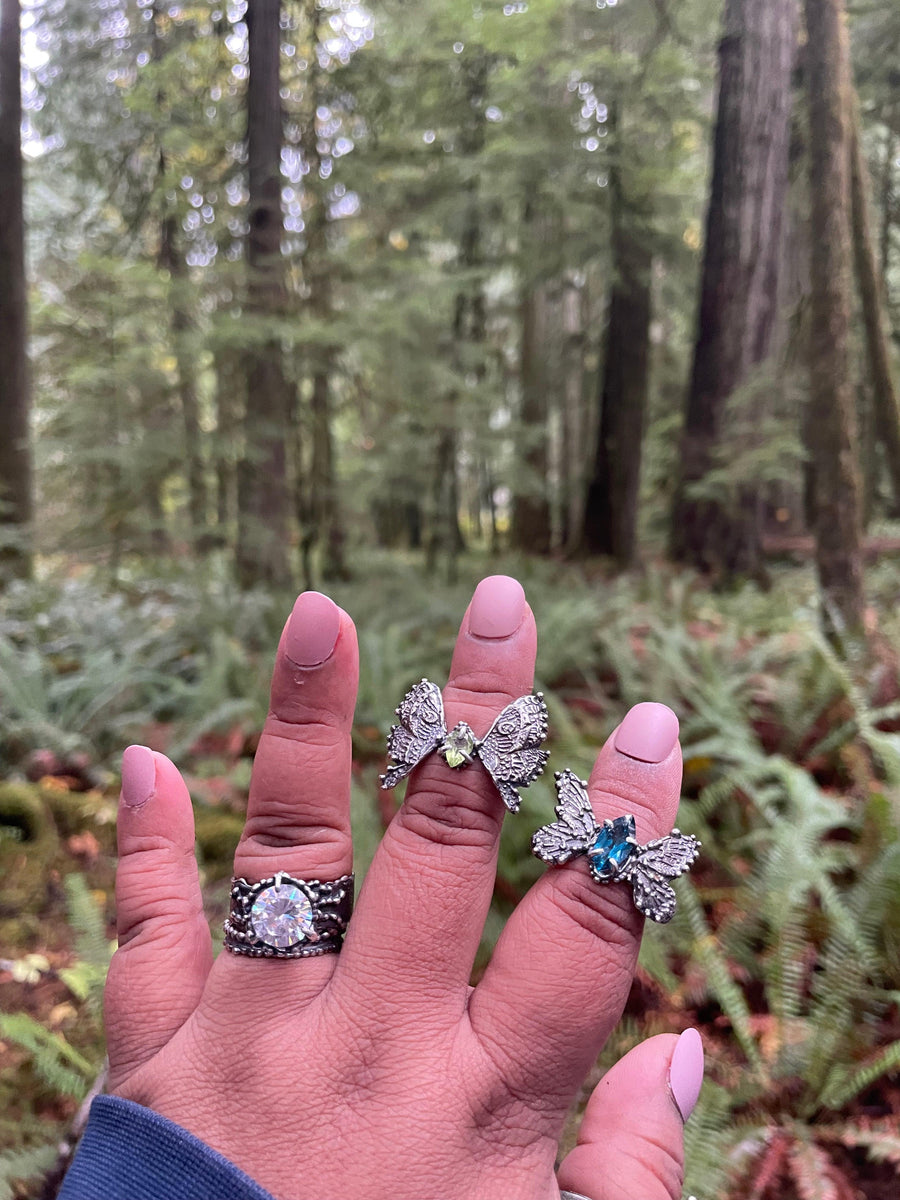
<point>283,917</point>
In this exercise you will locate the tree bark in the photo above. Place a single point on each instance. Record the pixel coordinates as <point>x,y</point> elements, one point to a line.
<point>322,508</point>
<point>885,403</point>
<point>832,425</point>
<point>531,505</point>
<point>227,369</point>
<point>739,287</point>
<point>15,398</point>
<point>576,431</point>
<point>611,501</point>
<point>262,471</point>
<point>171,259</point>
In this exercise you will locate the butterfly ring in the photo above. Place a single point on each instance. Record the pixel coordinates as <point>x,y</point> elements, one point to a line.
<point>613,852</point>
<point>510,750</point>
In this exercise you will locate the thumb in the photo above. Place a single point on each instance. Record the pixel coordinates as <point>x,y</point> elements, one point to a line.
<point>631,1141</point>
<point>165,952</point>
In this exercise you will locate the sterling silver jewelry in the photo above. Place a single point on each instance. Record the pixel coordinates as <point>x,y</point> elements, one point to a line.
<point>283,917</point>
<point>613,852</point>
<point>572,1196</point>
<point>510,750</point>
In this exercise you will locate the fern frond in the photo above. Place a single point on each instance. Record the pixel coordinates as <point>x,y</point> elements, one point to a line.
<point>718,972</point>
<point>812,1171</point>
<point>20,1165</point>
<point>842,1085</point>
<point>57,1063</point>
<point>880,1140</point>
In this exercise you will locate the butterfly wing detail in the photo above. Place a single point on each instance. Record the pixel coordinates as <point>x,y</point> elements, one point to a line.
<point>574,830</point>
<point>510,750</point>
<point>422,728</point>
<point>649,869</point>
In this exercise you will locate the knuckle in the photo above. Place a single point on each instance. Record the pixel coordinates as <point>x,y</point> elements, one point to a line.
<point>655,1170</point>
<point>153,893</point>
<point>476,697</point>
<point>607,914</point>
<point>452,811</point>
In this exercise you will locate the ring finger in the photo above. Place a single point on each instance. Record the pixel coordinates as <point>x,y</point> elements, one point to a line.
<point>560,974</point>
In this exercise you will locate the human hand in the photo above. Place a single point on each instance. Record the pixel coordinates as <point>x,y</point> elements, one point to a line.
<point>380,1073</point>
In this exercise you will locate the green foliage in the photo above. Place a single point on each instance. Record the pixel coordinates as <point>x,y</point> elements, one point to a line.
<point>19,1166</point>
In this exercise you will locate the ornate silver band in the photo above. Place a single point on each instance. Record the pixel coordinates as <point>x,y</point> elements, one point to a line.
<point>284,917</point>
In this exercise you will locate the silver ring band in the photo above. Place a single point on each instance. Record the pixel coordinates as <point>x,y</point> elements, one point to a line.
<point>284,917</point>
<point>572,1196</point>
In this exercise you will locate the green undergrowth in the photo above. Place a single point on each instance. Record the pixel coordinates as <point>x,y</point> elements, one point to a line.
<point>786,948</point>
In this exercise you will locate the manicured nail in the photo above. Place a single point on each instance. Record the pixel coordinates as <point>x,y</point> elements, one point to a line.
<point>497,608</point>
<point>312,631</point>
<point>138,776</point>
<point>686,1072</point>
<point>648,733</point>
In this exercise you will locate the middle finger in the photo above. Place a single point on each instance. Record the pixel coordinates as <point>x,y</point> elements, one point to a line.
<point>421,913</point>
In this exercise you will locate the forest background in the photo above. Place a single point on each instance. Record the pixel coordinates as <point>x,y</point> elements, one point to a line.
<point>382,298</point>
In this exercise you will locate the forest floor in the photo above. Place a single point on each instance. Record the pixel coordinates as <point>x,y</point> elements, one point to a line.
<point>764,703</point>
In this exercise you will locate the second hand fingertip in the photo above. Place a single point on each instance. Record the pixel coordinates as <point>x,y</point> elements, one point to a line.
<point>138,776</point>
<point>312,630</point>
<point>648,733</point>
<point>498,607</point>
<point>686,1072</point>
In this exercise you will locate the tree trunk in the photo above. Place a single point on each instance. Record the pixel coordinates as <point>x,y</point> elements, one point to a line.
<point>15,452</point>
<point>322,508</point>
<point>172,260</point>
<point>262,547</point>
<point>227,369</point>
<point>832,425</point>
<point>885,404</point>
<point>611,501</point>
<point>531,506</point>
<point>575,424</point>
<point>720,533</point>
<point>888,203</point>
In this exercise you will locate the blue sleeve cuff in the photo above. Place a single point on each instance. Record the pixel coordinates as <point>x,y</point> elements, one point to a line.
<point>129,1152</point>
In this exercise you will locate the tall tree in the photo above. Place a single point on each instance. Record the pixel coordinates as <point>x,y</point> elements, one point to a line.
<point>263,503</point>
<point>15,454</point>
<point>321,508</point>
<point>870,285</point>
<point>531,503</point>
<point>171,259</point>
<point>720,532</point>
<point>610,511</point>
<point>832,424</point>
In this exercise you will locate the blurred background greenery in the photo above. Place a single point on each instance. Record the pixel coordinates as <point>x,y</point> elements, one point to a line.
<point>383,298</point>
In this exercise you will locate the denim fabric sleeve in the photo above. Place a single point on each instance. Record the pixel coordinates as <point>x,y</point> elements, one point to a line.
<point>129,1152</point>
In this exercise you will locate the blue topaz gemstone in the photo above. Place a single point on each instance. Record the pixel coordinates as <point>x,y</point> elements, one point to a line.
<point>612,848</point>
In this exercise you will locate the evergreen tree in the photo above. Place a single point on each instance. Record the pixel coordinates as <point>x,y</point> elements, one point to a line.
<point>15,453</point>
<point>739,292</point>
<point>832,424</point>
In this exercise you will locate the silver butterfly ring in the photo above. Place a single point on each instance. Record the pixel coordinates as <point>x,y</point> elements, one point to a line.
<point>613,852</point>
<point>510,750</point>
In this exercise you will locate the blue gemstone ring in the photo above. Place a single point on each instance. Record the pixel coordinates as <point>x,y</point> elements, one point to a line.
<point>283,917</point>
<point>613,852</point>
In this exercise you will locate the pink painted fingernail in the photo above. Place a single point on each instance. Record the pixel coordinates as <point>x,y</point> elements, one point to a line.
<point>312,630</point>
<point>138,776</point>
<point>497,608</point>
<point>686,1072</point>
<point>648,733</point>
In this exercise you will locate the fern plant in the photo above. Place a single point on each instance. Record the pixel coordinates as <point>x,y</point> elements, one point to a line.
<point>813,946</point>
